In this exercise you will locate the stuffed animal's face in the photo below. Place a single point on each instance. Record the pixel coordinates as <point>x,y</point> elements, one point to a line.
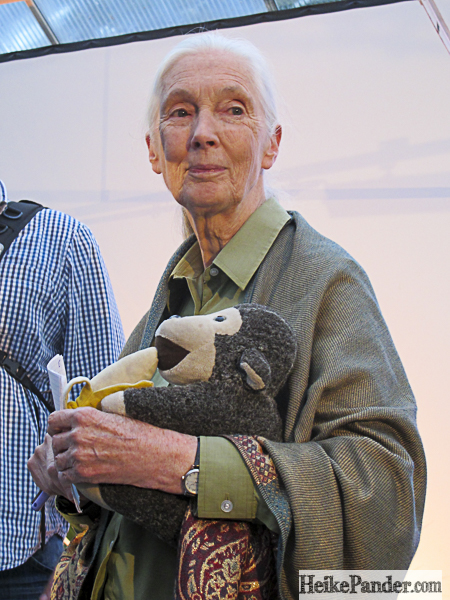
<point>185,345</point>
<point>248,341</point>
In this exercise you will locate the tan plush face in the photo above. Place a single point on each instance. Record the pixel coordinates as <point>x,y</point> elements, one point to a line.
<point>191,339</point>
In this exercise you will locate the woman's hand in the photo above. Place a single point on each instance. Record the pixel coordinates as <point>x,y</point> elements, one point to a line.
<point>43,470</point>
<point>95,447</point>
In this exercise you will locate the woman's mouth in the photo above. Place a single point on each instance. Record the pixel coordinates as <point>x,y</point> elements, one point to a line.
<point>205,170</point>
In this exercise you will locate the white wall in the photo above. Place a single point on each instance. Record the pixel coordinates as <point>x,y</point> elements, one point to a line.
<point>365,157</point>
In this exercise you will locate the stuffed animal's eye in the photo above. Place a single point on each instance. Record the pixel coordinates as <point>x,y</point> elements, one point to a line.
<point>220,318</point>
<point>175,317</point>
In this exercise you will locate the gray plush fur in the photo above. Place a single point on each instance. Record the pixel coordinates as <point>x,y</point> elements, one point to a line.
<point>223,405</point>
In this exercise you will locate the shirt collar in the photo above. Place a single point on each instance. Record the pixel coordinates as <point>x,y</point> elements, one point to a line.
<point>191,265</point>
<point>252,241</point>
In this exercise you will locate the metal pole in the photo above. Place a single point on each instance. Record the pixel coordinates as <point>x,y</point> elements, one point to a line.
<point>42,22</point>
<point>438,21</point>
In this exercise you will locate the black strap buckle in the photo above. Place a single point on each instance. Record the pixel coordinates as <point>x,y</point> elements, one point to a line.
<point>13,218</point>
<point>12,213</point>
<point>12,367</point>
<point>19,374</point>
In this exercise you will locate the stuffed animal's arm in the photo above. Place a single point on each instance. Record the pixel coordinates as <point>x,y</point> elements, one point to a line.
<point>134,370</point>
<point>200,409</point>
<point>130,369</point>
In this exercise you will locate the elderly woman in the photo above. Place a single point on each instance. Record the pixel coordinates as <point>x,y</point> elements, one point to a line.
<point>346,487</point>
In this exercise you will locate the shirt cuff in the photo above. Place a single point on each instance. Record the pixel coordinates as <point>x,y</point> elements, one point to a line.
<point>225,487</point>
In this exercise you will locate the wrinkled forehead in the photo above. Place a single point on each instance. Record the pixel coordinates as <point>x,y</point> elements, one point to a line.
<point>211,71</point>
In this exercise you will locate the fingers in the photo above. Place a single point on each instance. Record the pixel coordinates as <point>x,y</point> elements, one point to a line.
<point>71,431</point>
<point>60,443</point>
<point>42,468</point>
<point>82,443</point>
<point>42,457</point>
<point>61,420</point>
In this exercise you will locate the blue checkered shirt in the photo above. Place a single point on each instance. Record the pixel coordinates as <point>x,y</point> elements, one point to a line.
<point>55,298</point>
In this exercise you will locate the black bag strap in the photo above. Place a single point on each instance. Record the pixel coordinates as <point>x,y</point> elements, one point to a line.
<point>18,373</point>
<point>13,218</point>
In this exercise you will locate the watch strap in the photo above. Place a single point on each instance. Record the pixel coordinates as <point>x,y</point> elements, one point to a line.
<point>196,464</point>
<point>195,469</point>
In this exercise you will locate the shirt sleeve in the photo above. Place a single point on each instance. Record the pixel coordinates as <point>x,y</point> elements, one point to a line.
<point>93,332</point>
<point>226,489</point>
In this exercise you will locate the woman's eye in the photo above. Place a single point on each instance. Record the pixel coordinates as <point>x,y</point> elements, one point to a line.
<point>220,318</point>
<point>180,112</point>
<point>236,110</point>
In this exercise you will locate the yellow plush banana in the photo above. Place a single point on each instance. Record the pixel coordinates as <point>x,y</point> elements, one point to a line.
<point>132,371</point>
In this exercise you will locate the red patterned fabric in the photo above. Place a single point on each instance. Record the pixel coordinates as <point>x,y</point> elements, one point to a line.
<point>259,462</point>
<point>229,560</point>
<point>73,568</point>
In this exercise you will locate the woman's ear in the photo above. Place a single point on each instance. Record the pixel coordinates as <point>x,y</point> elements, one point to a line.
<point>271,154</point>
<point>153,155</point>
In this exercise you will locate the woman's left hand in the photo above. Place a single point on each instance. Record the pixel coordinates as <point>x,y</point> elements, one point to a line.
<point>95,447</point>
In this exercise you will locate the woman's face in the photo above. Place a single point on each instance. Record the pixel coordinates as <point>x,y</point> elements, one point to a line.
<point>213,142</point>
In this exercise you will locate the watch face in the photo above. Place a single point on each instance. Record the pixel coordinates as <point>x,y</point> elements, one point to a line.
<point>191,482</point>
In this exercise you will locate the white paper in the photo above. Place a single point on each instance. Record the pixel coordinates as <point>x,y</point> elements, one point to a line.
<point>58,383</point>
<point>58,380</point>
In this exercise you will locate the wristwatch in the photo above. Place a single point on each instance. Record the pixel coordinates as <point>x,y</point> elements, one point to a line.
<point>189,480</point>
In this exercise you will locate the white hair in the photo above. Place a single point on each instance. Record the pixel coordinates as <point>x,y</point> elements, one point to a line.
<point>212,40</point>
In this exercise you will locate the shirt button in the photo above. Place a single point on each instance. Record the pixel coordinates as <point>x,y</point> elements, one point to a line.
<point>214,271</point>
<point>226,506</point>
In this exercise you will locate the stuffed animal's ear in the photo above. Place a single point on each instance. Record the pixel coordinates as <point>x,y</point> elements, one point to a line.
<point>256,368</point>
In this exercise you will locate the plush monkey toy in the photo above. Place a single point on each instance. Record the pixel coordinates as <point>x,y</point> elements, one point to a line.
<point>227,368</point>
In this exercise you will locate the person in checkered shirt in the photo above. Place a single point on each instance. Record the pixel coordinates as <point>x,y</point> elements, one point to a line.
<point>56,298</point>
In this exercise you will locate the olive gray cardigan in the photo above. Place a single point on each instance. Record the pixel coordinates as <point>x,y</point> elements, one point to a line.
<point>351,469</point>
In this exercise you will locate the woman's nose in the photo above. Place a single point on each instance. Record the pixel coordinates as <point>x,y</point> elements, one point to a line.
<point>204,134</point>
